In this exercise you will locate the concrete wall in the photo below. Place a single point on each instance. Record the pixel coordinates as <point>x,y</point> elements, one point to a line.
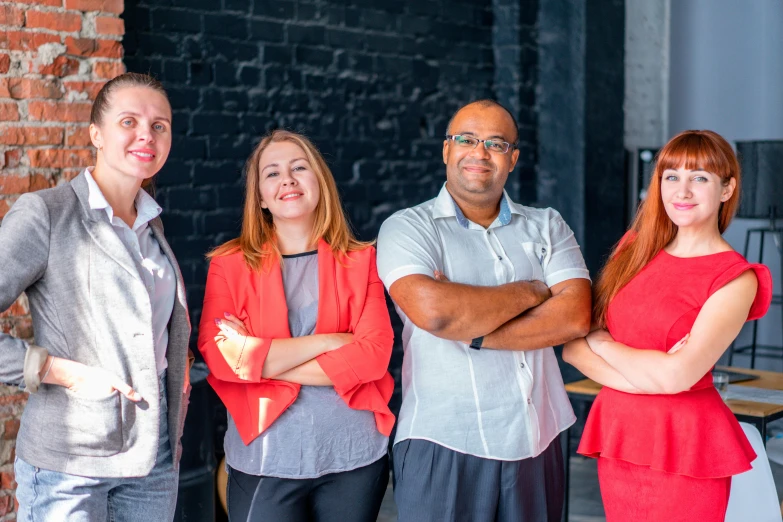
<point>646,73</point>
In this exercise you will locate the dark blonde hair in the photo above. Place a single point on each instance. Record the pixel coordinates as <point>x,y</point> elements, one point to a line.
<point>103,101</point>
<point>257,241</point>
<point>652,229</point>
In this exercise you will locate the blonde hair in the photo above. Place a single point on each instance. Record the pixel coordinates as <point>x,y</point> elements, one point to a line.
<point>257,240</point>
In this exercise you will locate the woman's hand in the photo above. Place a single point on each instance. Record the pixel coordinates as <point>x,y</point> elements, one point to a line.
<point>231,326</point>
<point>88,381</point>
<point>679,344</point>
<point>597,338</point>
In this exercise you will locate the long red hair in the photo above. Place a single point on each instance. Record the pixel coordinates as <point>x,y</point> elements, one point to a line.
<point>652,229</point>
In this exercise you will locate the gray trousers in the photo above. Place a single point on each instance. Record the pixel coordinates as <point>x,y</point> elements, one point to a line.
<point>436,484</point>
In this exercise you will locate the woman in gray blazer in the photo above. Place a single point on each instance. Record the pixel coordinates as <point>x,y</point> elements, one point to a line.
<point>99,437</point>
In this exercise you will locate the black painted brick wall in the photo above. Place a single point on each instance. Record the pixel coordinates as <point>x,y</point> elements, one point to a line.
<point>372,82</point>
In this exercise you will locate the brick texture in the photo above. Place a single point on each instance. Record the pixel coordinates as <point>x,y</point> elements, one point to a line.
<point>54,57</point>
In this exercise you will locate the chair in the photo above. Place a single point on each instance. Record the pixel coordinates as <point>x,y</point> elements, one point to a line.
<point>753,495</point>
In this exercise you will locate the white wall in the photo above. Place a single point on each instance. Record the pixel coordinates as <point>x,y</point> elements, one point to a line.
<point>726,68</point>
<point>726,74</point>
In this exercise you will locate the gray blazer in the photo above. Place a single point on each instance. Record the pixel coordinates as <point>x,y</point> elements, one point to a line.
<point>88,304</point>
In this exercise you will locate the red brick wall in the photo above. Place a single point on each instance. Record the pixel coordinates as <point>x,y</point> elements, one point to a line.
<point>54,56</point>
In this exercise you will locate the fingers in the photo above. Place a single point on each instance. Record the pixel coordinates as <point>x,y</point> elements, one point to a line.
<point>236,325</point>
<point>228,329</point>
<point>126,390</point>
<point>228,332</point>
<point>679,344</point>
<point>440,276</point>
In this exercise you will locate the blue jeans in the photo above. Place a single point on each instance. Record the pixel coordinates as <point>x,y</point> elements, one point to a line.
<point>45,495</point>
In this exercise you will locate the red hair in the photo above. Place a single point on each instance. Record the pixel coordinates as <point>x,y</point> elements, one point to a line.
<point>652,229</point>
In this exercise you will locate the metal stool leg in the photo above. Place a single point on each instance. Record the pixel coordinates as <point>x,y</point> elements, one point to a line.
<point>756,323</point>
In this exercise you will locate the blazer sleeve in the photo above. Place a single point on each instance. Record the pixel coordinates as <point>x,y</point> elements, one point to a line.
<point>24,255</point>
<point>217,301</point>
<point>366,359</point>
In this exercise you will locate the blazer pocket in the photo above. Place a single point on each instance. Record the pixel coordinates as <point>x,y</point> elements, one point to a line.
<point>84,426</point>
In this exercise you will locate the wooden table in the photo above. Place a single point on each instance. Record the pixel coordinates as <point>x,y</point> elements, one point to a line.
<point>758,414</point>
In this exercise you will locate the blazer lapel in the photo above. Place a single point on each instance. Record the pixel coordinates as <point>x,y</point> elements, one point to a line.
<point>101,231</point>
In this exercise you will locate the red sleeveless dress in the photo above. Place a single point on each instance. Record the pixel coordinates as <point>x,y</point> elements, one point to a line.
<point>669,457</point>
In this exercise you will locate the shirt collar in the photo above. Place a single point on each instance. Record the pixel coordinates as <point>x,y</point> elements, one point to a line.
<point>445,206</point>
<point>147,208</point>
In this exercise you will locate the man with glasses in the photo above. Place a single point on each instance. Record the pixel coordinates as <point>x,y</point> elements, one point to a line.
<point>485,287</point>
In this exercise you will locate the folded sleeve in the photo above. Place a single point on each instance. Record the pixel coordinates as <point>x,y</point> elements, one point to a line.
<point>217,301</point>
<point>24,255</point>
<point>366,359</point>
<point>565,260</point>
<point>763,298</point>
<point>406,246</point>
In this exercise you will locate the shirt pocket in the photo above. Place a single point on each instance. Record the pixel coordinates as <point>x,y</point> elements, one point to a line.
<point>537,255</point>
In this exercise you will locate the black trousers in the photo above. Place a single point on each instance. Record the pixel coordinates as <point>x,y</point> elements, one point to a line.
<point>436,484</point>
<point>349,496</point>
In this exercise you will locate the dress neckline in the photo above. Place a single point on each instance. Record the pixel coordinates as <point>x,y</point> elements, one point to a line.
<point>698,257</point>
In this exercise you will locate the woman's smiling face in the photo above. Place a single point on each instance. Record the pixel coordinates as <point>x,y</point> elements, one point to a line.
<point>288,184</point>
<point>134,136</point>
<point>693,197</point>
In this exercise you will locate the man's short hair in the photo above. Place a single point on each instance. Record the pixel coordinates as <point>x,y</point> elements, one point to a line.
<point>484,103</point>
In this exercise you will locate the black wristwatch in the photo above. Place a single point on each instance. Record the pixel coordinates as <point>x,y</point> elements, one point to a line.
<point>476,343</point>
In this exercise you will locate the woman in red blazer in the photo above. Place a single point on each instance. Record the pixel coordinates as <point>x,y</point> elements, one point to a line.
<point>297,336</point>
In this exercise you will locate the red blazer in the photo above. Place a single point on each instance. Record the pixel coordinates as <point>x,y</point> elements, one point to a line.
<point>351,299</point>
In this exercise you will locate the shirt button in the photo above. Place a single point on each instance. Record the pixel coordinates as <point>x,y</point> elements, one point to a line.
<point>521,365</point>
<point>500,258</point>
<point>529,401</point>
<point>489,231</point>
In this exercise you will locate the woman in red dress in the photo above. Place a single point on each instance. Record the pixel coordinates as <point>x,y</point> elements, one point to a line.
<point>671,299</point>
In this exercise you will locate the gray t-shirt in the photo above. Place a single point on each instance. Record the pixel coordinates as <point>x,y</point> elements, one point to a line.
<point>318,433</point>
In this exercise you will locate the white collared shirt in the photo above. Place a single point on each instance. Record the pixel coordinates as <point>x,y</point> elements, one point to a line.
<point>497,404</point>
<point>154,267</point>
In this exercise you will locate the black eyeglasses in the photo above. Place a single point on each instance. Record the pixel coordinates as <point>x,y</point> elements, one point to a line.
<point>469,142</point>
